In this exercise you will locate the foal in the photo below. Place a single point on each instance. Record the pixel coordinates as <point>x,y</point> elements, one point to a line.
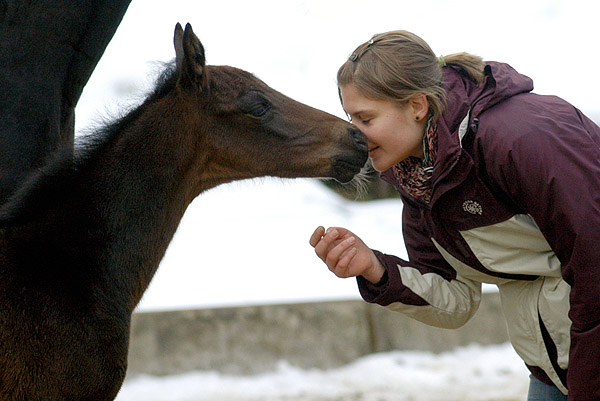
<point>81,240</point>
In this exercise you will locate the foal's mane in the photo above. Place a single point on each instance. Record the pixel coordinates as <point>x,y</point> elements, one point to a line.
<point>87,146</point>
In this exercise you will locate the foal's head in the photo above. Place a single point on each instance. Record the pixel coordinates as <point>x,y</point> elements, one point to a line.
<point>246,129</point>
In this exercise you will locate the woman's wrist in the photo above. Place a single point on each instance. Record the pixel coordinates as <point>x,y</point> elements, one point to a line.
<point>375,273</point>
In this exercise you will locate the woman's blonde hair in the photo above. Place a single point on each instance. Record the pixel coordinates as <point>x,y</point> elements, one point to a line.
<point>400,65</point>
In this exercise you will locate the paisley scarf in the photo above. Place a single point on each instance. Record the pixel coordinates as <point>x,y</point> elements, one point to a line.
<point>414,174</point>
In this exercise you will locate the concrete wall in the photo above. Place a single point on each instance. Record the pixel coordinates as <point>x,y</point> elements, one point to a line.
<point>321,335</point>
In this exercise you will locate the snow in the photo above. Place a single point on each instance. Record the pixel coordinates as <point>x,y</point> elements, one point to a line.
<point>247,243</point>
<point>473,373</point>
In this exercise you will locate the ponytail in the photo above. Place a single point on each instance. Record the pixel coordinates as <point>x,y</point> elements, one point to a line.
<point>471,65</point>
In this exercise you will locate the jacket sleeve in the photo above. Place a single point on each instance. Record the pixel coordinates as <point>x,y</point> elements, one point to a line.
<point>548,164</point>
<point>425,288</point>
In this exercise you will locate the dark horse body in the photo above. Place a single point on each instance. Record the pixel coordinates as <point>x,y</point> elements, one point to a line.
<point>48,50</point>
<point>81,240</point>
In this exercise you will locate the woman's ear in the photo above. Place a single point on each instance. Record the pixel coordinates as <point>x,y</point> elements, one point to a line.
<point>419,106</point>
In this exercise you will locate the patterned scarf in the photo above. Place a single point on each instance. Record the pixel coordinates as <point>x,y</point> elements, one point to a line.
<point>414,174</point>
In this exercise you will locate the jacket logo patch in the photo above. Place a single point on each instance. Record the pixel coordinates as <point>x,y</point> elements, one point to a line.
<point>472,207</point>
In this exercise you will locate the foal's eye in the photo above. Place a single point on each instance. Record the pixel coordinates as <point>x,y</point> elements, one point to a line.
<point>255,104</point>
<point>259,109</point>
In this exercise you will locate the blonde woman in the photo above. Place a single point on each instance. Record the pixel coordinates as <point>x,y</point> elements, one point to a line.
<point>499,185</point>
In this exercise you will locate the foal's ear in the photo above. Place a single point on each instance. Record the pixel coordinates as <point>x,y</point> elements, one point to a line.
<point>189,58</point>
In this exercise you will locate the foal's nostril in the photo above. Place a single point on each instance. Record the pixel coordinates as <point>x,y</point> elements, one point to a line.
<point>358,137</point>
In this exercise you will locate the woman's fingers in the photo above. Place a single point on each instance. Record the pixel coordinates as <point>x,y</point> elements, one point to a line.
<point>316,236</point>
<point>345,254</point>
<point>341,258</point>
<point>324,244</point>
<point>335,255</point>
<point>336,247</point>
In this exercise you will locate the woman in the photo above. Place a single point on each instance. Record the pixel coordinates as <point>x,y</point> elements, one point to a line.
<point>499,186</point>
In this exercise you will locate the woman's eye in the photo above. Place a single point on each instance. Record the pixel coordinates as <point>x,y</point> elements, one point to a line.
<point>364,119</point>
<point>360,120</point>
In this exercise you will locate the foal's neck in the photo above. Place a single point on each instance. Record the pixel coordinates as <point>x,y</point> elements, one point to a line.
<point>143,181</point>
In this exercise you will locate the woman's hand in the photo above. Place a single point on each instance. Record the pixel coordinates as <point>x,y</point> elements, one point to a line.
<point>345,254</point>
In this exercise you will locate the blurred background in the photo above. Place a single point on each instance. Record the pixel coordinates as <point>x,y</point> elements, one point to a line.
<point>245,244</point>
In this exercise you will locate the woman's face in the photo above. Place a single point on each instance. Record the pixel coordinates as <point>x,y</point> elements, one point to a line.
<point>392,130</point>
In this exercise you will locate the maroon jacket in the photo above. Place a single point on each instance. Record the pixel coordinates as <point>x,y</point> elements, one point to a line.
<point>516,202</point>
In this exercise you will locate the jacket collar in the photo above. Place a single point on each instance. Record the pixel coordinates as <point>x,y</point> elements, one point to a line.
<point>465,102</point>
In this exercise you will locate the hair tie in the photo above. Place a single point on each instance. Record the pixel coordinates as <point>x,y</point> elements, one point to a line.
<point>442,61</point>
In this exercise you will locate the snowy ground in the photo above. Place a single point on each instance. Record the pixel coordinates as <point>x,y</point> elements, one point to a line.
<point>473,373</point>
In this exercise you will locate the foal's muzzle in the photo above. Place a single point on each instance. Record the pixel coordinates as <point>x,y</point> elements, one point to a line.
<point>349,162</point>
